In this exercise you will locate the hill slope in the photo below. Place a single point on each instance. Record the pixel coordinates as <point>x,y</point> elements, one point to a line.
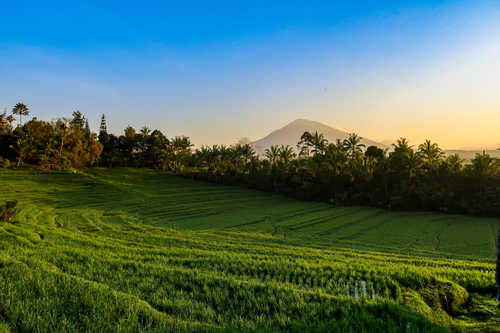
<point>159,199</point>
<point>291,133</point>
<point>144,251</point>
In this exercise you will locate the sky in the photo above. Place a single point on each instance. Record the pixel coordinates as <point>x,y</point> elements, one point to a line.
<point>218,71</point>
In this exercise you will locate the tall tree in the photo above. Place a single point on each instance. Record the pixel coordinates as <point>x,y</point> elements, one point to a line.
<point>312,143</point>
<point>402,146</point>
<point>78,119</point>
<point>374,153</point>
<point>103,127</point>
<point>454,163</point>
<point>272,154</point>
<point>431,154</point>
<point>305,143</point>
<point>319,143</point>
<point>286,153</point>
<point>354,146</point>
<point>103,133</point>
<point>87,127</point>
<point>21,110</point>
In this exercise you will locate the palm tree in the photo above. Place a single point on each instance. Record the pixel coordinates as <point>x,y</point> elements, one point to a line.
<point>180,147</point>
<point>286,153</point>
<point>182,143</point>
<point>374,153</point>
<point>454,163</point>
<point>21,110</point>
<point>272,154</point>
<point>222,151</point>
<point>353,146</point>
<point>203,155</point>
<point>482,167</point>
<point>402,146</point>
<point>62,129</point>
<point>431,155</point>
<point>319,143</point>
<point>316,141</point>
<point>404,159</point>
<point>247,152</point>
<point>145,131</point>
<point>412,163</point>
<point>430,151</point>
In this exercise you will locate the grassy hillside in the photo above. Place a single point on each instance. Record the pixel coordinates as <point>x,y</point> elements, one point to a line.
<point>159,199</point>
<point>129,250</point>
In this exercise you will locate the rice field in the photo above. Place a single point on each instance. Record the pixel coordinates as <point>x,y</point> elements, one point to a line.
<point>159,199</point>
<point>145,251</point>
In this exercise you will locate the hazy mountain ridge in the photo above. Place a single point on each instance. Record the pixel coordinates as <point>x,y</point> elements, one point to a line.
<point>468,155</point>
<point>291,133</point>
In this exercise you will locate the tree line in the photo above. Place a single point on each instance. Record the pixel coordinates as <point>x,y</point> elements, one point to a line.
<point>341,172</point>
<point>62,143</point>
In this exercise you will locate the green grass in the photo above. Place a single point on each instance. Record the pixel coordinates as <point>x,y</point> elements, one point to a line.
<point>139,250</point>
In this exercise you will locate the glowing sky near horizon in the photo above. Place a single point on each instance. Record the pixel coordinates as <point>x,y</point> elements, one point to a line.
<point>218,71</point>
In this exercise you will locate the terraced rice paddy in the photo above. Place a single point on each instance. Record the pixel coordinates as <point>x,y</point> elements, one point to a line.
<point>158,199</point>
<point>136,250</point>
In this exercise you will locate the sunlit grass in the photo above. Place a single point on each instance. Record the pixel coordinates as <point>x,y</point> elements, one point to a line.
<point>128,250</point>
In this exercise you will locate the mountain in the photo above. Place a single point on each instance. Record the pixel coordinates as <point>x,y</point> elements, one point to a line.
<point>468,155</point>
<point>291,133</point>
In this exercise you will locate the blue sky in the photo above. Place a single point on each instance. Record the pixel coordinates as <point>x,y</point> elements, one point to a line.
<point>221,70</point>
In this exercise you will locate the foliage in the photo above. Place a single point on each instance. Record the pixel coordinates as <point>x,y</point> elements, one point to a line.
<point>63,143</point>
<point>341,173</point>
<point>346,173</point>
<point>21,110</point>
<point>96,252</point>
<point>9,211</point>
<point>150,149</point>
<point>174,202</point>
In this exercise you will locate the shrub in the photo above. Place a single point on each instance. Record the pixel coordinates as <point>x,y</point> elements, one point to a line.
<point>9,211</point>
<point>4,163</point>
<point>446,295</point>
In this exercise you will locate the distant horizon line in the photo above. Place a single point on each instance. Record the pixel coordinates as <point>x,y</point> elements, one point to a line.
<point>384,142</point>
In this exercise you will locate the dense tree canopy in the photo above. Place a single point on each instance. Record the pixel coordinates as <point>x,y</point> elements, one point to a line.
<point>62,143</point>
<point>346,172</point>
<point>342,172</point>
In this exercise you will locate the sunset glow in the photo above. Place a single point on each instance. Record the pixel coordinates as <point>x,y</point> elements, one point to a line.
<point>219,72</point>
